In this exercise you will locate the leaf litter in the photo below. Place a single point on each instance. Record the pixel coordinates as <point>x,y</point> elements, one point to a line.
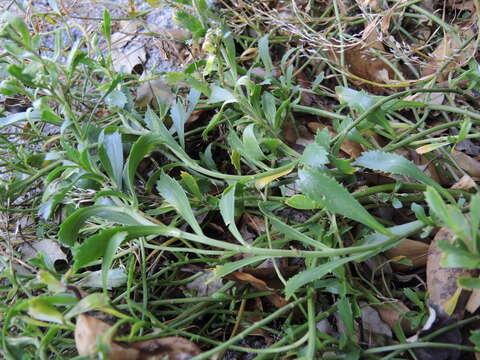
<point>303,186</point>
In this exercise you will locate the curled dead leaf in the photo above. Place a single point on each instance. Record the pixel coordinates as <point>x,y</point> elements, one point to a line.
<point>415,251</point>
<point>442,282</point>
<point>465,183</point>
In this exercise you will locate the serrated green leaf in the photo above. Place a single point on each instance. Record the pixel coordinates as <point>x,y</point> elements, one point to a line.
<point>454,257</point>
<point>51,281</point>
<point>107,30</point>
<point>91,302</point>
<point>335,198</point>
<point>396,164</point>
<point>449,214</point>
<point>21,116</point>
<point>179,117</point>
<point>192,184</point>
<point>323,138</point>
<point>314,155</point>
<point>143,146</point>
<point>190,22</point>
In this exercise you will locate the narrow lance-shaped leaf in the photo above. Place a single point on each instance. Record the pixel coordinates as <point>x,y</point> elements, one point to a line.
<point>110,250</point>
<point>316,273</point>
<point>144,145</point>
<point>111,154</point>
<point>41,309</point>
<point>264,51</point>
<point>68,233</point>
<point>171,191</point>
<point>335,198</point>
<point>223,270</point>
<point>227,210</point>
<point>179,117</point>
<point>251,143</point>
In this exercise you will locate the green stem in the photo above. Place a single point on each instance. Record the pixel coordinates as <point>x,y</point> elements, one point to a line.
<point>247,331</point>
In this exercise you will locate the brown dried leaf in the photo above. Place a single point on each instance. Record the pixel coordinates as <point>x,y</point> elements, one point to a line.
<point>149,91</point>
<point>442,282</point>
<point>462,4</point>
<point>416,251</point>
<point>373,325</point>
<point>256,223</point>
<point>467,163</point>
<point>260,285</point>
<point>372,4</point>
<point>473,302</point>
<point>449,51</point>
<point>172,348</point>
<point>88,329</point>
<point>465,183</point>
<point>394,313</point>
<point>127,53</point>
<point>307,99</point>
<point>361,62</point>
<point>434,99</point>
